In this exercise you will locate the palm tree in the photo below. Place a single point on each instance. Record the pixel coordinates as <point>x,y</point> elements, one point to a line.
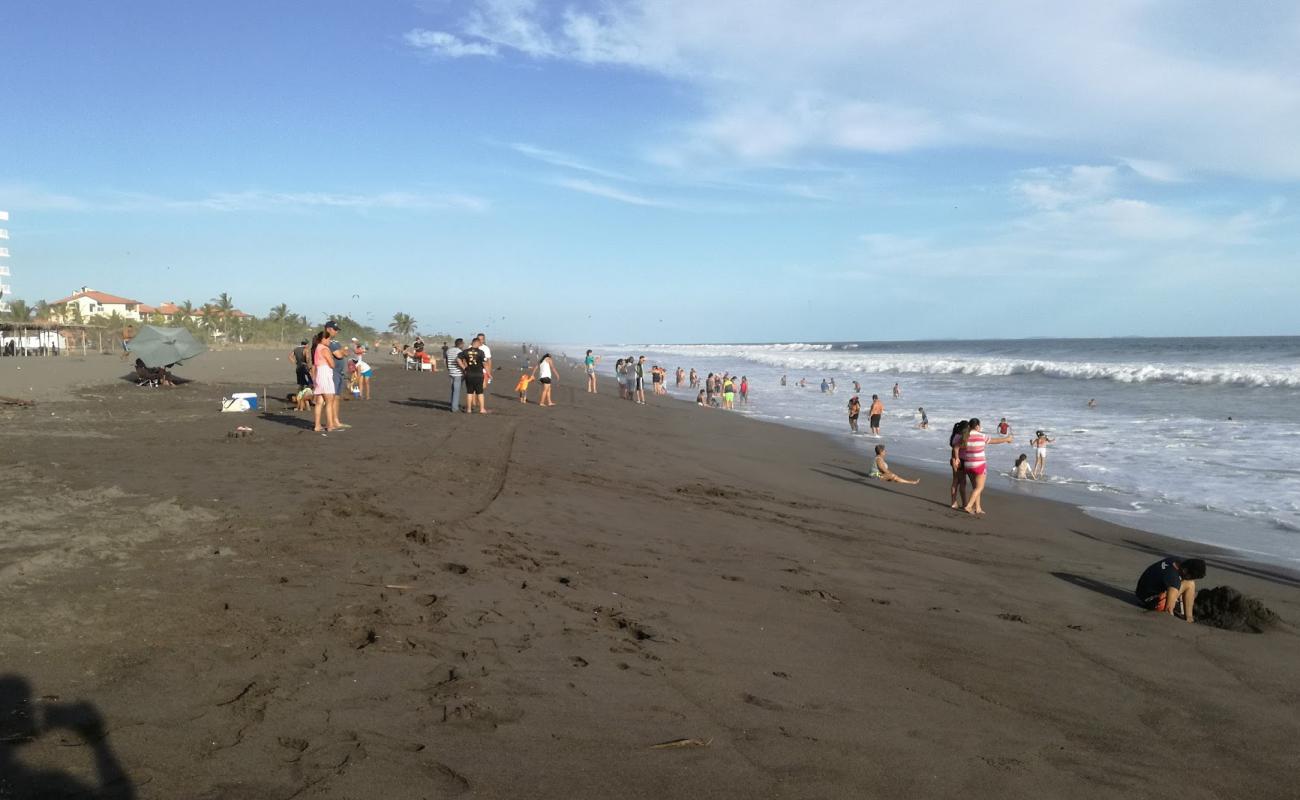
<point>19,311</point>
<point>224,305</point>
<point>280,315</point>
<point>186,310</point>
<point>43,310</point>
<point>403,324</point>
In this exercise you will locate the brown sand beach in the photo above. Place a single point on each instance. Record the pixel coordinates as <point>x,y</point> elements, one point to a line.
<point>523,604</point>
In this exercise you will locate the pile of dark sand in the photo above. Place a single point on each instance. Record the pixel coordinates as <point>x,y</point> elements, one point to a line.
<point>1225,607</point>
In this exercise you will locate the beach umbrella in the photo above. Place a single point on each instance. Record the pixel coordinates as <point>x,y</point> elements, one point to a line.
<point>162,347</point>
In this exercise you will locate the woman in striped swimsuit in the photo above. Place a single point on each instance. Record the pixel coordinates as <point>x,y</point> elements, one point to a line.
<point>974,463</point>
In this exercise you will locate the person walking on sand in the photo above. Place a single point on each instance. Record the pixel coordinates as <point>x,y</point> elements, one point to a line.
<point>954,460</point>
<point>323,389</point>
<point>454,373</point>
<point>1169,585</point>
<point>880,469</point>
<point>472,364</point>
<point>1040,443</point>
<point>590,363</point>
<point>877,410</point>
<point>975,464</point>
<point>546,373</point>
<point>855,408</point>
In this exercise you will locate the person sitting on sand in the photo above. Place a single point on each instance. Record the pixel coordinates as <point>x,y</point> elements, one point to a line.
<point>1170,583</point>
<point>880,469</point>
<point>855,408</point>
<point>521,388</point>
<point>1021,471</point>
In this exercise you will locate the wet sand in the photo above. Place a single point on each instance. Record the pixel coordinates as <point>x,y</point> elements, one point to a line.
<point>522,604</point>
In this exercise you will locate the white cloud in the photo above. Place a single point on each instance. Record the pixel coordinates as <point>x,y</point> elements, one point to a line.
<point>446,45</point>
<point>610,192</point>
<point>558,159</point>
<point>1154,170</point>
<point>1106,79</point>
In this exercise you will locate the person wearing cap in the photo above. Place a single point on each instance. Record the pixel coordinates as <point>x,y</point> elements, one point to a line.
<point>340,352</point>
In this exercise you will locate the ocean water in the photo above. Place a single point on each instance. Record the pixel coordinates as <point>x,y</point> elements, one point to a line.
<point>1197,438</point>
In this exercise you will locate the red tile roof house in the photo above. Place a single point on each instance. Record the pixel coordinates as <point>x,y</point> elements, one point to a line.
<point>94,303</point>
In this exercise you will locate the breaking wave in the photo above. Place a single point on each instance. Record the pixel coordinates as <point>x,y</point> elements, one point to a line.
<point>810,358</point>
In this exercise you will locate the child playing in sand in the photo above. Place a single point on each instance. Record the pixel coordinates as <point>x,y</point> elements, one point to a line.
<point>363,373</point>
<point>880,469</point>
<point>302,400</point>
<point>1021,471</point>
<point>521,387</point>
<point>1170,584</point>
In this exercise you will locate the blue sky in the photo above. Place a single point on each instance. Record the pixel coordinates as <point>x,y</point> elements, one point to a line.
<point>666,171</point>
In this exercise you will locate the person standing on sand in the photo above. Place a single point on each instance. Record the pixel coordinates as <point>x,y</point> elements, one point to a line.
<point>640,380</point>
<point>621,378</point>
<point>590,363</point>
<point>545,374</point>
<point>340,353</point>
<point>975,464</point>
<point>301,367</point>
<point>1040,443</point>
<point>323,365</point>
<point>855,408</point>
<point>880,469</point>
<point>454,374</point>
<point>744,390</point>
<point>487,362</point>
<point>877,409</point>
<point>1169,584</point>
<point>472,364</point>
<point>629,377</point>
<point>364,372</point>
<point>954,460</point>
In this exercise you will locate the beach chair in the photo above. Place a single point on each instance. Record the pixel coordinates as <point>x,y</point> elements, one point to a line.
<point>146,377</point>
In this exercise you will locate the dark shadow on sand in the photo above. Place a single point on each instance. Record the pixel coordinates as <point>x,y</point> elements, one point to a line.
<point>424,402</point>
<point>177,381</point>
<point>304,422</point>
<point>1115,592</point>
<point>24,719</point>
<point>864,479</point>
<point>1249,570</point>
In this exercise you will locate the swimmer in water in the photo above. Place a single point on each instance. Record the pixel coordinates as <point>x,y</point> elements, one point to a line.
<point>1092,403</point>
<point>925,420</point>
